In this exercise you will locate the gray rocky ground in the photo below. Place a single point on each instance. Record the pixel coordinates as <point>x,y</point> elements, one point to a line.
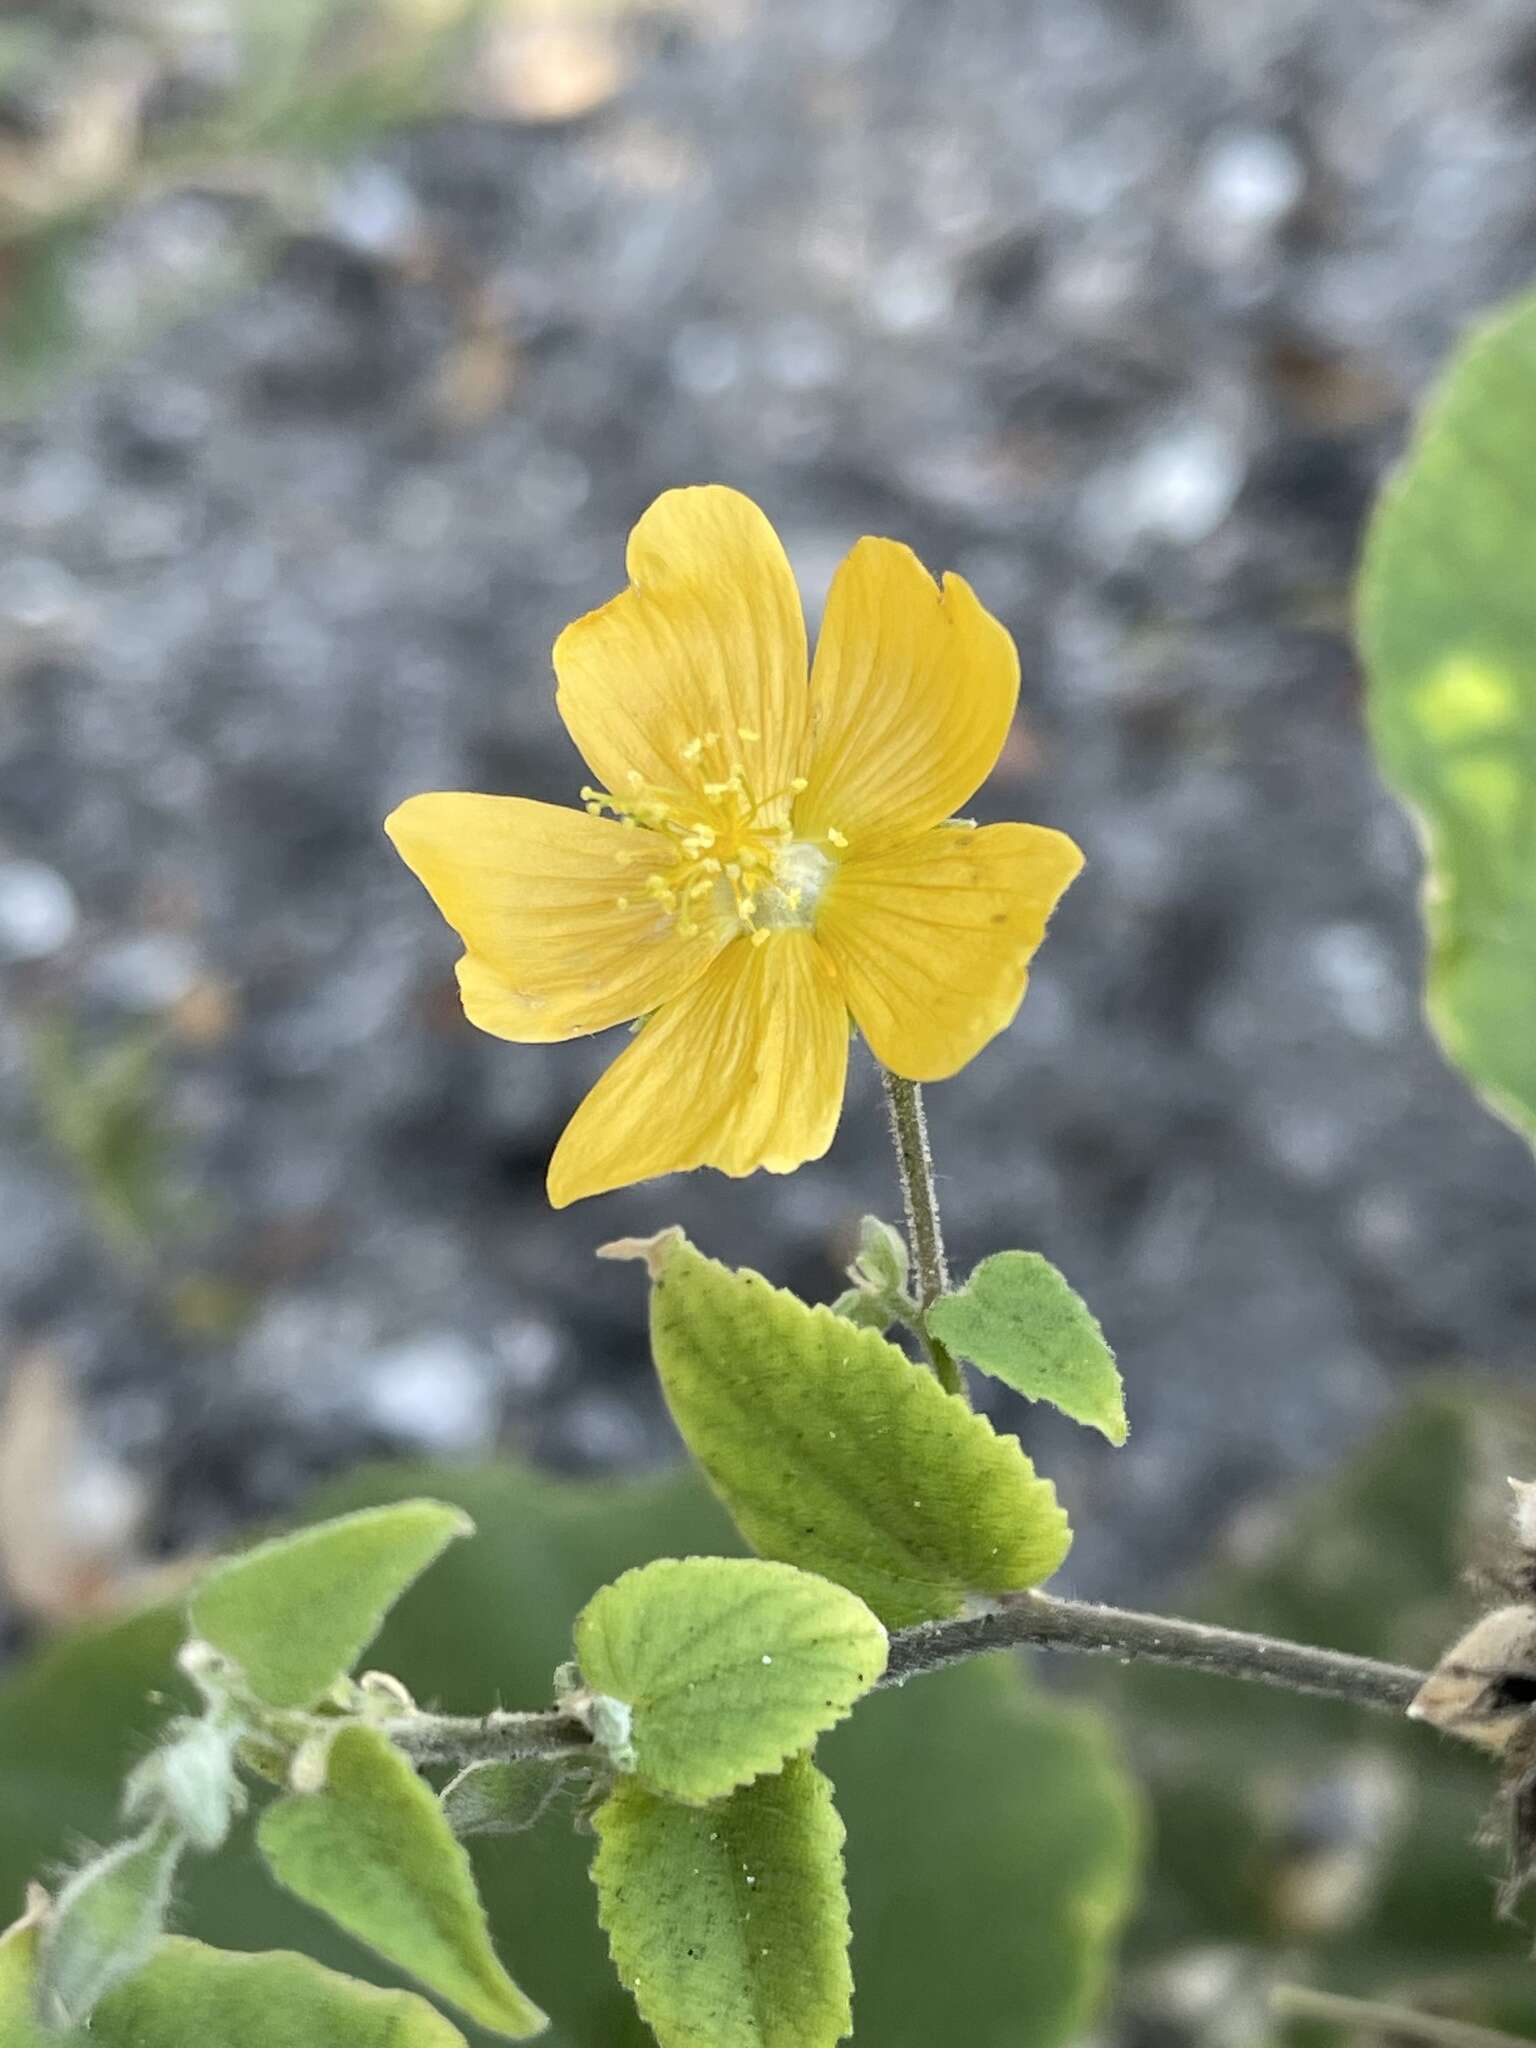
<point>1115,308</point>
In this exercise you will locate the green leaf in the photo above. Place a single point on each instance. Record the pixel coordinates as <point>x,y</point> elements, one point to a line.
<point>1010,1881</point>
<point>868,1311</point>
<point>374,1851</point>
<point>297,1612</point>
<point>502,1798</point>
<point>883,1260</point>
<point>724,1667</point>
<point>834,1452</point>
<point>1448,631</point>
<point>729,1924</point>
<point>18,1986</point>
<point>1017,1319</point>
<point>190,1996</point>
<point>104,1923</point>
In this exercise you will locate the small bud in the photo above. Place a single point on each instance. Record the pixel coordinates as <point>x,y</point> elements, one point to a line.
<point>868,1311</point>
<point>1484,1687</point>
<point>884,1262</point>
<point>383,1694</point>
<point>104,1924</point>
<point>191,1781</point>
<point>310,1766</point>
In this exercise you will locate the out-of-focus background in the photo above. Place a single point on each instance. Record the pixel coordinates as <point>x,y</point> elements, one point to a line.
<point>342,343</point>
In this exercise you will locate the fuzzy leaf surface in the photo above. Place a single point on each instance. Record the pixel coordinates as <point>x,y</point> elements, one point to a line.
<point>298,1611</point>
<point>728,1665</point>
<point>1019,1320</point>
<point>104,1923</point>
<point>374,1851</point>
<point>191,1996</point>
<point>1448,631</point>
<point>729,1924</point>
<point>834,1452</point>
<point>501,1798</point>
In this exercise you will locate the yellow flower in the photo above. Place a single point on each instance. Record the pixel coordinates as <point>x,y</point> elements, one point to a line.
<point>759,859</point>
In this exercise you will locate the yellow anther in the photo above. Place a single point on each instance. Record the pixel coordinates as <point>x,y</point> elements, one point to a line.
<point>745,732</point>
<point>705,887</point>
<point>622,902</point>
<point>693,749</point>
<point>799,782</point>
<point>761,936</point>
<point>837,838</point>
<point>635,779</point>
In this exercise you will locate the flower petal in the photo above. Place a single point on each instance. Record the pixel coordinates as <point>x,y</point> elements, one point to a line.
<point>912,694</point>
<point>535,891</point>
<point>933,939</point>
<point>709,639</point>
<point>744,1071</point>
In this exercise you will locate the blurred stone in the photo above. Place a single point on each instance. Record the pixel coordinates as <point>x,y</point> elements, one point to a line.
<point>38,916</point>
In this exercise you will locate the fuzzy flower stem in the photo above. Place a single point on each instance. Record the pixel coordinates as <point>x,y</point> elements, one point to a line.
<point>914,1160</point>
<point>1023,1620</point>
<point>1036,1620</point>
<point>1300,2002</point>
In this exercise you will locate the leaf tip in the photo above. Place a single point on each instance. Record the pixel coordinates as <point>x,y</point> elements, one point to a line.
<point>655,1251</point>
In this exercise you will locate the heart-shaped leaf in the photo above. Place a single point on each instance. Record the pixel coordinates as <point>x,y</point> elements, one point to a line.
<point>729,1923</point>
<point>374,1851</point>
<point>1017,1319</point>
<point>725,1666</point>
<point>834,1452</point>
<point>297,1612</point>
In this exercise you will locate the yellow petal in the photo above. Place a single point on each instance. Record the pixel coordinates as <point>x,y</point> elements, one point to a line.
<point>743,1071</point>
<point>933,939</point>
<point>535,891</point>
<point>700,664</point>
<point>912,694</point>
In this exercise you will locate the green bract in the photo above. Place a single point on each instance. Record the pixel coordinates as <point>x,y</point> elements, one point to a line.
<point>501,1798</point>
<point>1448,630</point>
<point>725,1666</point>
<point>729,1923</point>
<point>297,1612</point>
<point>1017,1319</point>
<point>374,1851</point>
<point>834,1452</point>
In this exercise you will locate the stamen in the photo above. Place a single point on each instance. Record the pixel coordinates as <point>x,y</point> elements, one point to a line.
<point>838,839</point>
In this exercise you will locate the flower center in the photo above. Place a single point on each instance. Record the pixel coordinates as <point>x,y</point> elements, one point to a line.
<point>735,856</point>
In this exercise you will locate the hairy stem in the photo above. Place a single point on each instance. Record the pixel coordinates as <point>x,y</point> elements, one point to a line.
<point>488,1738</point>
<point>1024,1620</point>
<point>1038,1621</point>
<point>909,1134</point>
<point>1300,2002</point>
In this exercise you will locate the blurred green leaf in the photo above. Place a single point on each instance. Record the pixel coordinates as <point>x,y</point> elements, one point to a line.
<point>190,1996</point>
<point>297,1612</point>
<point>726,1666</point>
<point>1287,1827</point>
<point>103,1108</point>
<point>834,1452</point>
<point>1448,630</point>
<point>104,1923</point>
<point>729,1924</point>
<point>373,1850</point>
<point>1017,1319</point>
<point>1051,1818</point>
